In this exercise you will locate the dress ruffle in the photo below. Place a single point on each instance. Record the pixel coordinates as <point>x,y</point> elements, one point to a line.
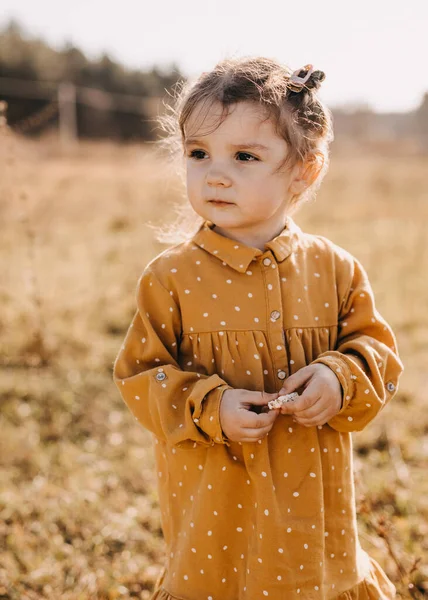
<point>375,586</point>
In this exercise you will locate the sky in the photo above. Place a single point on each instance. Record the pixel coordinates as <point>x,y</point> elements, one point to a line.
<point>372,51</point>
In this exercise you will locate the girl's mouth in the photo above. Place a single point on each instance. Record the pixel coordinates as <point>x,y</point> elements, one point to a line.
<point>220,203</point>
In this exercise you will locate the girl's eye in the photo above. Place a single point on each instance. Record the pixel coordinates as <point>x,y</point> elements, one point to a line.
<point>245,157</point>
<point>198,154</point>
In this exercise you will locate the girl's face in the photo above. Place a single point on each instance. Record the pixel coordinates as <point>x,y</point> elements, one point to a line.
<point>232,177</point>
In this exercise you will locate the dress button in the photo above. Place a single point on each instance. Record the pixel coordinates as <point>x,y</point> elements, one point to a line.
<point>160,376</point>
<point>274,315</point>
<point>390,386</point>
<point>281,374</point>
<point>267,261</point>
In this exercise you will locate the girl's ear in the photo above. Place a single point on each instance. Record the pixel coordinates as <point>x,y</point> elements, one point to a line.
<point>306,173</point>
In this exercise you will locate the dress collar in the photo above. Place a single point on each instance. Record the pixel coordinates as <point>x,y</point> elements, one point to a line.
<point>236,254</point>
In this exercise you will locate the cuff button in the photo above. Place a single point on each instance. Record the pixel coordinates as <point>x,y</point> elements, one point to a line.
<point>160,376</point>
<point>390,386</point>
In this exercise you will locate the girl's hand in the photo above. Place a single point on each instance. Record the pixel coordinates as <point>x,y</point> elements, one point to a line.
<point>239,422</point>
<point>321,399</point>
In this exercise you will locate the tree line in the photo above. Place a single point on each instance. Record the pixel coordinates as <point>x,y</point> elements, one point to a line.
<point>23,59</point>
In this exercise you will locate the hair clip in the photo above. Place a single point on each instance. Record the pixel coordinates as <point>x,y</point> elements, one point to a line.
<point>296,83</point>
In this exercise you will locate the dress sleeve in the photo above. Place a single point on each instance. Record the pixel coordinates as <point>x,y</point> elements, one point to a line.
<point>365,360</point>
<point>178,406</point>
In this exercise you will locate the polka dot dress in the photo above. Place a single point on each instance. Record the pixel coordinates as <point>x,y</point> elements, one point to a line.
<point>273,519</point>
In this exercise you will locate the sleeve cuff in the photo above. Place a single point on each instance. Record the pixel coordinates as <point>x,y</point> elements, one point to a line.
<point>209,419</point>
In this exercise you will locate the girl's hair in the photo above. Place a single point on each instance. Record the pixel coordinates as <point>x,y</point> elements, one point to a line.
<point>300,118</point>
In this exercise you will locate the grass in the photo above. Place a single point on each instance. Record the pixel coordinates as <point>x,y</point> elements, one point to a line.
<point>79,514</point>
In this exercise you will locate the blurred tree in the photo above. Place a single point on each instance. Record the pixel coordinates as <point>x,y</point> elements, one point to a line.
<point>33,60</point>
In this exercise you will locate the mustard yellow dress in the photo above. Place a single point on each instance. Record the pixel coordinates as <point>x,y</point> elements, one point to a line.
<point>273,519</point>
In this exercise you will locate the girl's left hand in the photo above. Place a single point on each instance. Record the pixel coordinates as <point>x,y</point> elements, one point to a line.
<point>321,399</point>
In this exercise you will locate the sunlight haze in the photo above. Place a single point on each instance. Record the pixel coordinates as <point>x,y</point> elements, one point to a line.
<point>371,52</point>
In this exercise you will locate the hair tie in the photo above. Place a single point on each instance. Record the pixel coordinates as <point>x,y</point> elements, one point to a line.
<point>297,83</point>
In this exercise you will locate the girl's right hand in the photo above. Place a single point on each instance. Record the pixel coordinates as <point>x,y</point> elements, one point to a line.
<point>239,423</point>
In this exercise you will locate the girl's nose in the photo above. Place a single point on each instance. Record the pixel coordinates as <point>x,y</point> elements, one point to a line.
<point>217,177</point>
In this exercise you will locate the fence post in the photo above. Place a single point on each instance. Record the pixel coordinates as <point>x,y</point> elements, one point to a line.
<point>67,114</point>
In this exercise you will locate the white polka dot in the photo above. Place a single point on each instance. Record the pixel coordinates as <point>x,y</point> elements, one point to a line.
<point>312,475</point>
<point>326,304</point>
<point>228,281</point>
<point>281,550</point>
<point>239,529</point>
<point>205,314</point>
<point>296,317</point>
<point>296,494</point>
<point>264,474</point>
<point>289,530</point>
<point>266,511</point>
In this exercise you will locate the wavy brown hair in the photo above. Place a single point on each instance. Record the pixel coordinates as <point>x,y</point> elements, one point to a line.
<point>299,117</point>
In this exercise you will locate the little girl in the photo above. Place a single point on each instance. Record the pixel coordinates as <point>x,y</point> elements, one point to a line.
<point>257,502</point>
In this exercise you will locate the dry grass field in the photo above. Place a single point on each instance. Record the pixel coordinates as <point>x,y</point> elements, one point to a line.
<point>79,513</point>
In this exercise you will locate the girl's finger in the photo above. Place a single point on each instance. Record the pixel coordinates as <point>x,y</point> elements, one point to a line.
<point>297,380</point>
<point>251,420</point>
<point>312,411</point>
<point>301,406</point>
<point>310,396</point>
<point>253,435</point>
<point>319,419</point>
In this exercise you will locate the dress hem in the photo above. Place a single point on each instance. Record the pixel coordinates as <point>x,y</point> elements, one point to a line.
<point>374,586</point>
